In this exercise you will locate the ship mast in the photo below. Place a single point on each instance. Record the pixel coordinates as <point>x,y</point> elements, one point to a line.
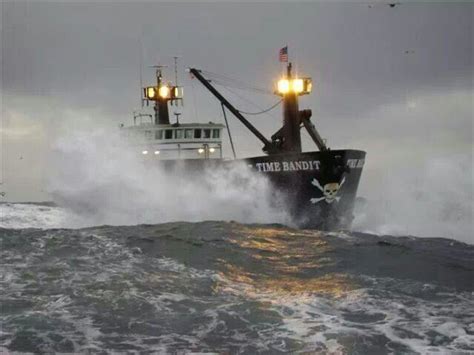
<point>161,103</point>
<point>288,138</point>
<point>291,120</point>
<point>161,94</point>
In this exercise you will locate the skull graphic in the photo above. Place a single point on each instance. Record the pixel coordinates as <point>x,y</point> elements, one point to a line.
<point>329,191</point>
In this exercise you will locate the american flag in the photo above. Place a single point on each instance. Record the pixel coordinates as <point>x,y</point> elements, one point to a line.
<point>284,54</point>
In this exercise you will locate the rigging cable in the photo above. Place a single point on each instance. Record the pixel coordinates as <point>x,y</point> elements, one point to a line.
<point>248,113</point>
<point>194,101</point>
<point>245,99</point>
<point>228,81</point>
<point>241,87</point>
<point>228,131</point>
<point>264,111</point>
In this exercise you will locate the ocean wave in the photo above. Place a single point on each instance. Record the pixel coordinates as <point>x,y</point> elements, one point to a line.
<point>227,287</point>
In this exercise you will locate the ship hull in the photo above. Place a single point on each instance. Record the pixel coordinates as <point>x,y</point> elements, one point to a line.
<point>316,189</point>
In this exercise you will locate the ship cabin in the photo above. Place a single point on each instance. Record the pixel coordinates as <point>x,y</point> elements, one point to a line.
<point>156,138</point>
<point>177,141</point>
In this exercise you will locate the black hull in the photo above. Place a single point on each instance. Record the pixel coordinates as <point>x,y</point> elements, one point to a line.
<point>317,189</point>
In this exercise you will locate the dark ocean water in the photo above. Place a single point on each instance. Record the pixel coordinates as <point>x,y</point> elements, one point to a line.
<point>225,287</point>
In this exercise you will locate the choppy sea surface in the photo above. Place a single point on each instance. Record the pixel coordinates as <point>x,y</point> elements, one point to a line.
<point>225,287</point>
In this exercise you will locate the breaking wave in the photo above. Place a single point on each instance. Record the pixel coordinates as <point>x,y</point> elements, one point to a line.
<point>102,180</point>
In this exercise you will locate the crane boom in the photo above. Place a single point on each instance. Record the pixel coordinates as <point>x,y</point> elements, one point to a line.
<point>268,147</point>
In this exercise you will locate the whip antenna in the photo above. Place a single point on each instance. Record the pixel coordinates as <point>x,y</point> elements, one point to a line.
<point>140,58</point>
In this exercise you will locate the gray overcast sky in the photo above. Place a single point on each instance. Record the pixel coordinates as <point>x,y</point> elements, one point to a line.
<point>388,80</point>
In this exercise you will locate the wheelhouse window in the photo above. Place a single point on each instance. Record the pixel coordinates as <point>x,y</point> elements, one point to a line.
<point>169,134</point>
<point>188,133</point>
<point>159,134</point>
<point>179,134</point>
<point>197,133</point>
<point>148,134</point>
<point>215,133</point>
<point>207,133</point>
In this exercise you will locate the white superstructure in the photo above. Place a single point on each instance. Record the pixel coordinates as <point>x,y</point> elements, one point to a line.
<point>176,141</point>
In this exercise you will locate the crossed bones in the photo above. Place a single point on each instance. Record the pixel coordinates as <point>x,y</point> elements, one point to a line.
<point>329,191</point>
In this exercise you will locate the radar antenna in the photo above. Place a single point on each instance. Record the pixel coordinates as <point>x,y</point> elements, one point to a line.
<point>140,58</point>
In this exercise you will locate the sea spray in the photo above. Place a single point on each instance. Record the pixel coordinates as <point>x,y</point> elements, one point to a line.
<point>432,199</point>
<point>418,176</point>
<point>105,180</point>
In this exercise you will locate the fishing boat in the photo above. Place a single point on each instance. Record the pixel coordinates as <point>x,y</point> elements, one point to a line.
<point>316,188</point>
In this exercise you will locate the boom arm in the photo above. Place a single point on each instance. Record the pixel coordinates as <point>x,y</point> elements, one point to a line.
<point>313,133</point>
<point>268,146</point>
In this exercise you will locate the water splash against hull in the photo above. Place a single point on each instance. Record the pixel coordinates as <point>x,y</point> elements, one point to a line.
<point>112,184</point>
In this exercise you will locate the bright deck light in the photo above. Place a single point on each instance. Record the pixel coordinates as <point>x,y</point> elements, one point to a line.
<point>212,150</point>
<point>283,86</point>
<point>164,92</point>
<point>201,150</point>
<point>145,152</point>
<point>297,85</point>
<point>177,92</point>
<point>157,152</point>
<point>150,92</point>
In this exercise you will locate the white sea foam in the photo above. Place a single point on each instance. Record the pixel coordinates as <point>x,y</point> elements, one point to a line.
<point>104,181</point>
<point>102,261</point>
<point>320,322</point>
<point>21,215</point>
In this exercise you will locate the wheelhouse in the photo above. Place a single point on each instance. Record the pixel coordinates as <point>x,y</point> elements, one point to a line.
<point>177,141</point>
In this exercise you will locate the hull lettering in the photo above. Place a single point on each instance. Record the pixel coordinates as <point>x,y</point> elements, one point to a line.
<point>299,165</point>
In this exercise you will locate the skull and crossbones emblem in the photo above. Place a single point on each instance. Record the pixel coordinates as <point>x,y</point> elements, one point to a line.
<point>329,191</point>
